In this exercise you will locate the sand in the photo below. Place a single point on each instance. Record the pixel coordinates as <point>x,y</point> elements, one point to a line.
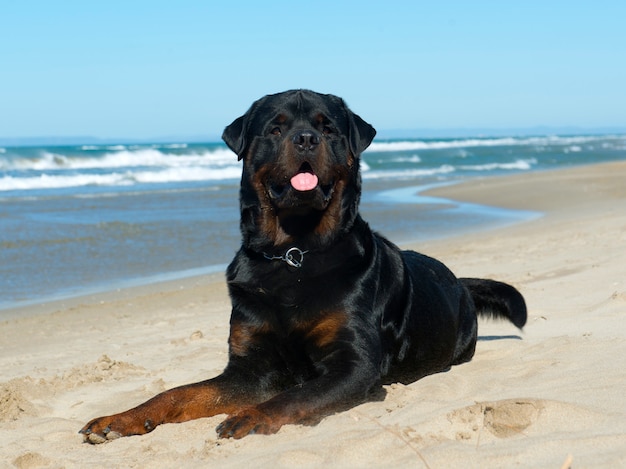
<point>551,396</point>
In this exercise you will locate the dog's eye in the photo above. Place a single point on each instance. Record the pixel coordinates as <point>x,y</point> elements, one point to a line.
<point>275,131</point>
<point>326,130</point>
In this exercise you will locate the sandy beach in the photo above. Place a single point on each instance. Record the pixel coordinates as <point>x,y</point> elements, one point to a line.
<point>551,396</point>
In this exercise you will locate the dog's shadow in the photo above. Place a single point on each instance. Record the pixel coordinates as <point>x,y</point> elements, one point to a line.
<point>489,338</point>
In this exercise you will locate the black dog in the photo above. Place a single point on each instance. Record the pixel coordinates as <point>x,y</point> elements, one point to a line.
<point>324,309</point>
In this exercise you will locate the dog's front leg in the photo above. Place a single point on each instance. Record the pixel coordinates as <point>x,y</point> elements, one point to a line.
<point>226,393</point>
<point>345,382</point>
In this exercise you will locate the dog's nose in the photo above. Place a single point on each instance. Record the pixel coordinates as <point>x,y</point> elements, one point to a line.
<point>306,140</point>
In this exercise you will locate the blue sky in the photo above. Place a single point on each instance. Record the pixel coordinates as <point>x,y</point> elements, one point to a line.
<point>143,69</point>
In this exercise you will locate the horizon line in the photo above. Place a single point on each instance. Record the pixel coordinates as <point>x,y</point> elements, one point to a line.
<point>457,132</point>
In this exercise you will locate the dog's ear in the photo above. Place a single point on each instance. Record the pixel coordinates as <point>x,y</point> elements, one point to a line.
<point>361,133</point>
<point>235,136</point>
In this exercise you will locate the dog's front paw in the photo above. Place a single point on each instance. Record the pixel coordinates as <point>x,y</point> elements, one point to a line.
<point>249,421</point>
<point>108,428</point>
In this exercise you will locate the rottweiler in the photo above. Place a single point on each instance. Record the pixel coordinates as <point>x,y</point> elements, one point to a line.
<point>324,310</point>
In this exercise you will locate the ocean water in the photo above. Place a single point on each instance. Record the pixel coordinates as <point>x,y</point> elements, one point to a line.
<point>79,219</point>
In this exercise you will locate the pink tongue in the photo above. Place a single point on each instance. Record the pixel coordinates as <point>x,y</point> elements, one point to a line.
<point>304,182</point>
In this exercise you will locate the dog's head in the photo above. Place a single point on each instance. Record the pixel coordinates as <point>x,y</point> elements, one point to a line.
<point>300,182</point>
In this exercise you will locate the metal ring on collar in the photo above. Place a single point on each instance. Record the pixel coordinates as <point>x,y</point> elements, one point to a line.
<point>294,257</point>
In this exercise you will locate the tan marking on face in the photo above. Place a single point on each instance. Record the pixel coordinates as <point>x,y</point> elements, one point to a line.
<point>267,219</point>
<point>332,216</point>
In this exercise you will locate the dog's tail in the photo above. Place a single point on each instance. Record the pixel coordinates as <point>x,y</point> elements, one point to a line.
<point>497,300</point>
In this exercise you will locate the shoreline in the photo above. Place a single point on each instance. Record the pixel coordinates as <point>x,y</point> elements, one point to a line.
<point>492,218</point>
<point>123,288</point>
<point>536,398</point>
